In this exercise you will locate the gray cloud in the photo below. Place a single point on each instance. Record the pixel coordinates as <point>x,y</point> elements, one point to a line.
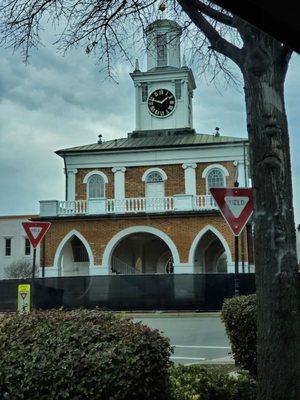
<point>58,102</point>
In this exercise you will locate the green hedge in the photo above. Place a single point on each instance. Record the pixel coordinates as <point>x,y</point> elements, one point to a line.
<point>195,382</point>
<point>239,316</point>
<point>81,355</point>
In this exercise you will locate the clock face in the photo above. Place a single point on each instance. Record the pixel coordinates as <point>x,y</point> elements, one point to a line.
<point>161,103</point>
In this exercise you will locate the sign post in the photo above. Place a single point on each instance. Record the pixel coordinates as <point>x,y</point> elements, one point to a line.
<point>23,299</point>
<point>236,206</point>
<point>35,232</point>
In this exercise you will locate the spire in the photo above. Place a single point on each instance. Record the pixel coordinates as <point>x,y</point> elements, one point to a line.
<point>137,66</point>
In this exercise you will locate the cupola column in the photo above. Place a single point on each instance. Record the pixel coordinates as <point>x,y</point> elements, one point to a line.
<point>119,181</point>
<point>137,101</point>
<point>190,178</point>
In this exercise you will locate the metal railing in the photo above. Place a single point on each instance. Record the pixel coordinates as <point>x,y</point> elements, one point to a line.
<point>120,267</point>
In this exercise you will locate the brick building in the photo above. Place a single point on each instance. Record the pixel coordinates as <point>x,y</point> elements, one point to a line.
<point>141,204</point>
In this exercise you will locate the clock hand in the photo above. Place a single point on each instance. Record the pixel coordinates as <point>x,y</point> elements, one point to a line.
<point>157,101</point>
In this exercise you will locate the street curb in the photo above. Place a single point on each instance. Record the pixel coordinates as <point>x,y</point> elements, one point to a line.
<point>153,314</point>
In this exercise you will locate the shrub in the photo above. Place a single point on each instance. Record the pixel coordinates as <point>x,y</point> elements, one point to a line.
<point>19,269</point>
<point>195,382</point>
<point>81,355</point>
<point>239,316</point>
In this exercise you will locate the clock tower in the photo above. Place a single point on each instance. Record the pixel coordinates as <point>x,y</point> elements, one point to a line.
<point>164,92</point>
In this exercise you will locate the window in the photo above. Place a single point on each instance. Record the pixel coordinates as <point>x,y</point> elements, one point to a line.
<point>178,89</point>
<point>215,179</point>
<point>155,188</point>
<point>8,246</point>
<point>96,187</point>
<point>27,247</point>
<point>161,46</point>
<point>144,92</point>
<point>154,177</point>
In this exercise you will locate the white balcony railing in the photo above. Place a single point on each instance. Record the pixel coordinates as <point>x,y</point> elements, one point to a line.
<point>204,202</point>
<point>128,205</point>
<point>72,207</point>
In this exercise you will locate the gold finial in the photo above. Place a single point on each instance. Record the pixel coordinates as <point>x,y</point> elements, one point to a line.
<point>162,6</point>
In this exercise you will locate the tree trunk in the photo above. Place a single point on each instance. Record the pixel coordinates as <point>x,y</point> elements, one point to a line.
<point>277,282</point>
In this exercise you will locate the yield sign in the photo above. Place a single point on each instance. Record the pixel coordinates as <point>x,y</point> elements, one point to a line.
<point>35,231</point>
<point>236,206</point>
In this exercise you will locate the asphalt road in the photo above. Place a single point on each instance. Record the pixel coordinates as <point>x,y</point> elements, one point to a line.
<point>195,337</point>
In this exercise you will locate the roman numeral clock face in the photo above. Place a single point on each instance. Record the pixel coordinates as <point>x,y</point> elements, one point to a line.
<point>161,103</point>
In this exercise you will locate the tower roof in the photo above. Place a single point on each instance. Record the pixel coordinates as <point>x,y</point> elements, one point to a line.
<point>159,140</point>
<point>163,23</point>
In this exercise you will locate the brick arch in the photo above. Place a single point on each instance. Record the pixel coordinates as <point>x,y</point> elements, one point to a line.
<point>110,247</point>
<point>64,241</point>
<point>198,238</point>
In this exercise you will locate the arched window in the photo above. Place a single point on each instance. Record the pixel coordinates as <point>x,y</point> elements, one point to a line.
<point>155,187</point>
<point>154,177</point>
<point>96,187</point>
<point>215,179</point>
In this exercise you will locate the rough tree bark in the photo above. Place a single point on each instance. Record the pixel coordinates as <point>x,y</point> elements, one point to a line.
<point>277,282</point>
<point>263,62</point>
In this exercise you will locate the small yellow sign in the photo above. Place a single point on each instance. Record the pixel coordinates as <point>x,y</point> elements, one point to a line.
<point>24,299</point>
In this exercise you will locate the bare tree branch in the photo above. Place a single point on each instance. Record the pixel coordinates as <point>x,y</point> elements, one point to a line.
<point>211,12</point>
<point>217,42</point>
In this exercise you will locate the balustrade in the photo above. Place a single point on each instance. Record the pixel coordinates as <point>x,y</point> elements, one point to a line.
<point>130,205</point>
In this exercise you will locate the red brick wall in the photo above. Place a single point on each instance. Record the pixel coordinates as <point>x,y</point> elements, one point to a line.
<point>200,182</point>
<point>98,232</point>
<point>135,187</point>
<point>80,192</point>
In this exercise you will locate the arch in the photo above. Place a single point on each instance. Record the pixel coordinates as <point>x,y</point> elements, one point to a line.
<point>159,170</point>
<point>206,174</point>
<point>212,166</point>
<point>200,235</point>
<point>65,240</point>
<point>106,259</point>
<point>100,173</point>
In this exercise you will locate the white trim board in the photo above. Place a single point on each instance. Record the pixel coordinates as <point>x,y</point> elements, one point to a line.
<point>154,157</point>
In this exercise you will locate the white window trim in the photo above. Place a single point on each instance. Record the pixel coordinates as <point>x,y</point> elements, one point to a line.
<point>100,173</point>
<point>87,178</point>
<point>159,170</point>
<point>207,170</point>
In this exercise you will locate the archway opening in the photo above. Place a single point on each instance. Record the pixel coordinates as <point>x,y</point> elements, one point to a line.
<point>141,253</point>
<point>210,255</point>
<point>74,258</point>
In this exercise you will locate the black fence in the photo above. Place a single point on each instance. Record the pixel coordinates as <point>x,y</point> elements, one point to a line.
<point>195,292</point>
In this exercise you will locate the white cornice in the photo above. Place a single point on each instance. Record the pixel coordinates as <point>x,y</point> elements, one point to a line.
<point>155,157</point>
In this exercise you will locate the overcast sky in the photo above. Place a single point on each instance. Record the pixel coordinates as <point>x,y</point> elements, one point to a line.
<point>56,102</point>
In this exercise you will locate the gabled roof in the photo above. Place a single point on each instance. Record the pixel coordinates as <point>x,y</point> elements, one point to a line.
<point>158,141</point>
